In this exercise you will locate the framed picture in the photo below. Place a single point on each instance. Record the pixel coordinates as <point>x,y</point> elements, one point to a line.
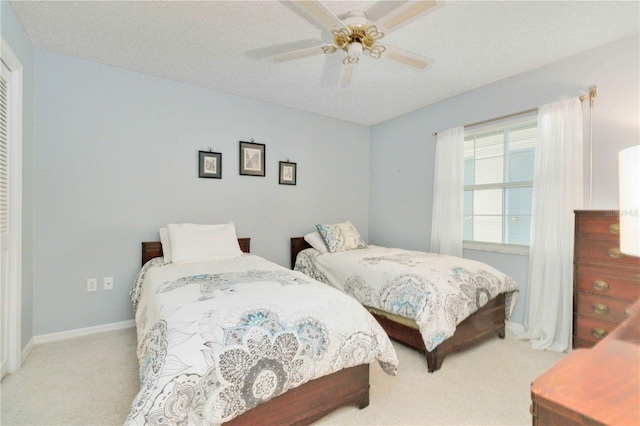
<point>252,158</point>
<point>288,173</point>
<point>210,164</point>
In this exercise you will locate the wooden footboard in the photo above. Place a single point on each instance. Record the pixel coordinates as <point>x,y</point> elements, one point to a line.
<point>313,400</point>
<point>485,323</point>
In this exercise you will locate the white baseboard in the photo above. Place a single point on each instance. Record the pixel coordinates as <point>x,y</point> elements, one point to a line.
<point>79,332</point>
<point>26,350</point>
<point>514,327</point>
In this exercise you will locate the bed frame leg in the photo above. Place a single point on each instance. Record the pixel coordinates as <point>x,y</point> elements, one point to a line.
<point>433,361</point>
<point>501,332</point>
<point>363,401</point>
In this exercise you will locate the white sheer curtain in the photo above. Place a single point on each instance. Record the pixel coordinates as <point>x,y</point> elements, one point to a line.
<point>448,193</point>
<point>557,191</point>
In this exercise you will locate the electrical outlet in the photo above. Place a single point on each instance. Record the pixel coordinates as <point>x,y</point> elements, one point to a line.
<point>107,283</point>
<point>92,284</point>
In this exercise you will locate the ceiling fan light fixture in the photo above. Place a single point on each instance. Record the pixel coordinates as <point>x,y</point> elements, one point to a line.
<point>377,51</point>
<point>329,48</point>
<point>354,50</point>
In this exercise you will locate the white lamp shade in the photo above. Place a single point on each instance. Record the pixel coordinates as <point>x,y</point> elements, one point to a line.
<point>354,49</point>
<point>629,182</point>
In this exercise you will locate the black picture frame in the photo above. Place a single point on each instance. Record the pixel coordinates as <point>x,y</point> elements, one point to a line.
<point>210,164</point>
<point>288,173</point>
<point>252,158</point>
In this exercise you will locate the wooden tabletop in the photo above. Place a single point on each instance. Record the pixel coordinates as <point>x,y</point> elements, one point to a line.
<point>601,384</point>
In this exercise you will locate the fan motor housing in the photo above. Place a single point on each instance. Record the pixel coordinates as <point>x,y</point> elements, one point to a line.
<point>357,31</point>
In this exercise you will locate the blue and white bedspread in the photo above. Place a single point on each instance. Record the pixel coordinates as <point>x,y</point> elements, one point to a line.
<point>218,338</point>
<point>436,291</point>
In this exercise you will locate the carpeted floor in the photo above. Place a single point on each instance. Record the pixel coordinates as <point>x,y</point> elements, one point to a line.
<point>92,380</point>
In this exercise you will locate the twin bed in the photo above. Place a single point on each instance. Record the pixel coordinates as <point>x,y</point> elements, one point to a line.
<point>225,336</point>
<point>435,303</point>
<point>240,340</point>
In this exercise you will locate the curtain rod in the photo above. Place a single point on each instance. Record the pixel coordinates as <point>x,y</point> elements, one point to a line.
<point>592,94</point>
<point>495,119</point>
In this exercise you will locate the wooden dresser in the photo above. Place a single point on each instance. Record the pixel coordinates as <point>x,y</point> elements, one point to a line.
<point>597,386</point>
<point>605,281</point>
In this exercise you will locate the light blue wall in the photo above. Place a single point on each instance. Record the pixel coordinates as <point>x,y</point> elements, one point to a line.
<point>402,150</point>
<point>15,36</point>
<point>116,158</point>
<point>110,155</point>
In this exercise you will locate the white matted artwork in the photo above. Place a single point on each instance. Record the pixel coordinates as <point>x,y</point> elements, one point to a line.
<point>288,173</point>
<point>210,164</point>
<point>252,158</point>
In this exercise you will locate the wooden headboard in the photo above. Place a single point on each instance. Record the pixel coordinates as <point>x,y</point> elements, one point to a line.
<point>151,249</point>
<point>297,245</point>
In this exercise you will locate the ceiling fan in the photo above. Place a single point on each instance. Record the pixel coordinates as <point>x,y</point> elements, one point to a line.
<point>356,35</point>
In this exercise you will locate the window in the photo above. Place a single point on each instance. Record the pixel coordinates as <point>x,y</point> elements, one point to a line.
<point>498,185</point>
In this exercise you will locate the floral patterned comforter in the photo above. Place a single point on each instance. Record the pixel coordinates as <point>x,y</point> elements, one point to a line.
<point>218,338</point>
<point>437,291</point>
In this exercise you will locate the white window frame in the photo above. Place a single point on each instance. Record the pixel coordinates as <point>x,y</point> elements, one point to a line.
<point>512,121</point>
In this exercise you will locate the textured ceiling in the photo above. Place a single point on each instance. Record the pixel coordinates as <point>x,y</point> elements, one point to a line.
<point>223,45</point>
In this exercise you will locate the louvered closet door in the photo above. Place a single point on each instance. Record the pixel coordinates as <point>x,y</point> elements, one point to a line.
<point>4,215</point>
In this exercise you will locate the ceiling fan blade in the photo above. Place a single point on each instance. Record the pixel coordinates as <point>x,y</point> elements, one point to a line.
<point>403,15</point>
<point>405,57</point>
<point>346,71</point>
<point>296,54</point>
<point>316,10</point>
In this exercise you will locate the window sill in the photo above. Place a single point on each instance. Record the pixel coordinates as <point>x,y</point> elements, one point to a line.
<point>496,248</point>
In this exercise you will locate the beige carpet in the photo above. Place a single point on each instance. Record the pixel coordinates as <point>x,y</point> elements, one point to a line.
<point>92,381</point>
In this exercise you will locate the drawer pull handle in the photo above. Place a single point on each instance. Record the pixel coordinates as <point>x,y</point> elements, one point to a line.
<point>600,309</point>
<point>615,253</point>
<point>614,229</point>
<point>600,285</point>
<point>598,333</point>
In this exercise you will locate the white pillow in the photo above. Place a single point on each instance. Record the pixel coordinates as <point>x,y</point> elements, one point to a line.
<point>199,243</point>
<point>315,240</point>
<point>166,245</point>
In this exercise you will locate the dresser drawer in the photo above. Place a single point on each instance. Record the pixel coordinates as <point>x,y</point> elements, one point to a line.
<point>601,307</point>
<point>591,329</point>
<point>599,226</point>
<point>581,343</point>
<point>623,283</point>
<point>604,251</point>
